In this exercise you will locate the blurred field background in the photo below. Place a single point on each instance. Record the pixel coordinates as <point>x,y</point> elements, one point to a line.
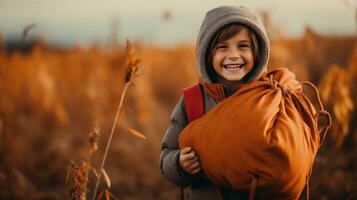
<point>52,97</point>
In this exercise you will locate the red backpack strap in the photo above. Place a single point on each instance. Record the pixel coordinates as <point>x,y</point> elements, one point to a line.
<point>194,109</point>
<point>194,102</point>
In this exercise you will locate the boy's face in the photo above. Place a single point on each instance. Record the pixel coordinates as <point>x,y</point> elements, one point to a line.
<point>233,59</point>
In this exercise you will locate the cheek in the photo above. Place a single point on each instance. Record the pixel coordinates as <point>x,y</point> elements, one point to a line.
<point>216,59</point>
<point>250,58</point>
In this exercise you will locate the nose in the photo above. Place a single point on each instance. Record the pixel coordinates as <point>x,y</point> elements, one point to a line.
<point>234,58</point>
<point>233,55</point>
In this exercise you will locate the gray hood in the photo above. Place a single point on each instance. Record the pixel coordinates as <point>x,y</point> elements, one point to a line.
<point>219,17</point>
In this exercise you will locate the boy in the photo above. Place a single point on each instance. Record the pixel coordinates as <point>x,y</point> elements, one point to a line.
<point>232,48</point>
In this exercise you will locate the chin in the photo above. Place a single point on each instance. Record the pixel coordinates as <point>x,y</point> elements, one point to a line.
<point>234,79</point>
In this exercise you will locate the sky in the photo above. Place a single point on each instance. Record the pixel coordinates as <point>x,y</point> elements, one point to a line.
<point>85,21</point>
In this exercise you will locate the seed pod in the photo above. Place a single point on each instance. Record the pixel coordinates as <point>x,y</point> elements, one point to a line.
<point>106,178</point>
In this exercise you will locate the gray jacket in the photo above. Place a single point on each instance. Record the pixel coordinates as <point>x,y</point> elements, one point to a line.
<point>200,188</point>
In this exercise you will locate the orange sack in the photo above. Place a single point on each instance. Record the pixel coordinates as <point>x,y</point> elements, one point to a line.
<point>264,136</point>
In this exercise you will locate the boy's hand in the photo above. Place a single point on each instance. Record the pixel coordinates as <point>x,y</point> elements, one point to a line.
<point>189,161</point>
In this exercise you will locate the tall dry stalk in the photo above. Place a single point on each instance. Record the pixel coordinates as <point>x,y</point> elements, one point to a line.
<point>78,173</point>
<point>131,72</point>
<point>335,90</point>
<point>25,32</point>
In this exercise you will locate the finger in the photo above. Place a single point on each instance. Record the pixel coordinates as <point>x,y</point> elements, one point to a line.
<point>187,156</point>
<point>188,163</point>
<point>190,155</point>
<point>185,150</point>
<point>191,161</point>
<point>195,166</point>
<point>196,171</point>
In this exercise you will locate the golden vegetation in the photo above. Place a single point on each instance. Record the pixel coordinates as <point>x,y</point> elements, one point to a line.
<point>51,97</point>
<point>335,92</point>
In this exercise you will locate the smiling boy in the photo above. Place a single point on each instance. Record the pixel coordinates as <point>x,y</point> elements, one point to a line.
<point>232,48</point>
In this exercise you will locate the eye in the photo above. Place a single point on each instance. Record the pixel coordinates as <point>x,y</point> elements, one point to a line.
<point>244,46</point>
<point>221,46</point>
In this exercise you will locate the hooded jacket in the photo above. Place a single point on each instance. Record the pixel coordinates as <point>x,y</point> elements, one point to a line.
<point>201,188</point>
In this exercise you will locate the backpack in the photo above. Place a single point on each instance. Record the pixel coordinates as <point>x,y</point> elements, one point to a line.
<point>194,104</point>
<point>278,90</point>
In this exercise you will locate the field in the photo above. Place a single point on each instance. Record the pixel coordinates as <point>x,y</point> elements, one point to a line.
<point>52,99</point>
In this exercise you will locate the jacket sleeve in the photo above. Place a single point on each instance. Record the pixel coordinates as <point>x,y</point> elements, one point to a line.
<point>169,157</point>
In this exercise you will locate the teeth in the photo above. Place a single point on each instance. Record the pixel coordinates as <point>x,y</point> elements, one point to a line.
<point>230,66</point>
<point>233,68</point>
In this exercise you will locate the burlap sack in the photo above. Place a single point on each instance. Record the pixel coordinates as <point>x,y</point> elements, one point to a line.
<point>264,136</point>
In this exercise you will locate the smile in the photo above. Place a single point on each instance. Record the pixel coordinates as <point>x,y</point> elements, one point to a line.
<point>233,67</point>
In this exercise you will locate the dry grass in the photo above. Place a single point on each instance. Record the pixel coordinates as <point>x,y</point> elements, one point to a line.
<point>50,97</point>
<point>335,90</point>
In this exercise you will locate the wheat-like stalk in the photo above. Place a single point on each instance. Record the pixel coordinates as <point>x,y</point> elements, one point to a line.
<point>26,31</point>
<point>78,174</point>
<point>93,141</point>
<point>131,72</point>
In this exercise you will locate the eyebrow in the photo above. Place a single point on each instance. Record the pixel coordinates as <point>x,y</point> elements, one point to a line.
<point>241,41</point>
<point>222,42</point>
<point>244,41</point>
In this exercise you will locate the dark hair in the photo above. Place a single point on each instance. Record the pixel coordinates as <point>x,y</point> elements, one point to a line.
<point>226,33</point>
